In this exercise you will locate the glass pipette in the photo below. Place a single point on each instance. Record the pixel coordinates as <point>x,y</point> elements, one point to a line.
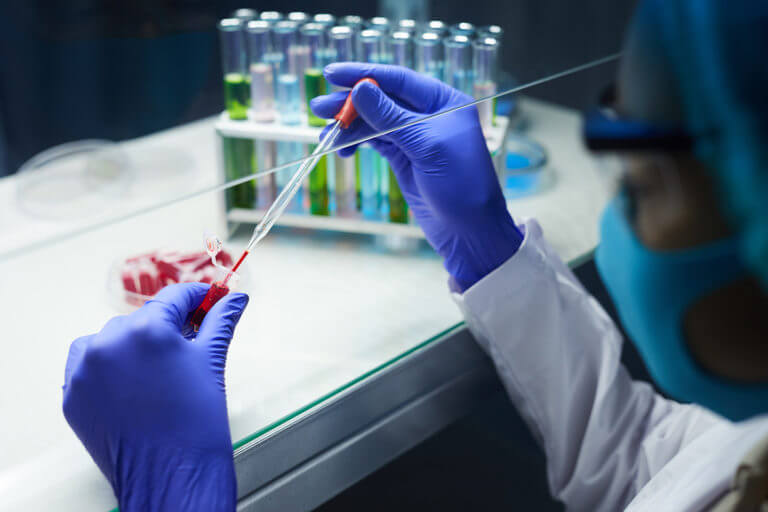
<point>343,119</point>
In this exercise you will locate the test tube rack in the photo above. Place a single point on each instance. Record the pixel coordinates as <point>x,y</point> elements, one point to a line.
<point>303,133</point>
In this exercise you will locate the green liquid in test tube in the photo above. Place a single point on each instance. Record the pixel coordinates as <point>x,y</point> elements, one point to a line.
<point>313,37</point>
<point>318,186</point>
<point>314,85</point>
<point>238,154</point>
<point>401,53</point>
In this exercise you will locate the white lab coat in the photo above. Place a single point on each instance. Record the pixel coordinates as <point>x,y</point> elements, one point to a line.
<point>611,443</point>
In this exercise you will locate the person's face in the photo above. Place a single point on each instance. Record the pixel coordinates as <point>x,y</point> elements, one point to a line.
<point>675,206</point>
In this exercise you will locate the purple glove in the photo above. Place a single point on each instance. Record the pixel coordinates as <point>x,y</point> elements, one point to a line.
<point>442,165</point>
<point>148,403</point>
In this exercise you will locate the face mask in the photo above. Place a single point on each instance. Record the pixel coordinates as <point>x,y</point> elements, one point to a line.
<point>652,291</point>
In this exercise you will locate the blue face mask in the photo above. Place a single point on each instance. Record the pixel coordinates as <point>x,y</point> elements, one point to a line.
<point>652,291</point>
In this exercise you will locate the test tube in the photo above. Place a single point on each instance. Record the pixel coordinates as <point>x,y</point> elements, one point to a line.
<point>356,24</point>
<point>407,25</point>
<point>485,52</point>
<point>428,55</point>
<point>271,16</point>
<point>436,26</point>
<point>313,37</point>
<point>395,208</point>
<point>341,182</point>
<point>370,162</point>
<point>458,57</point>
<point>288,105</point>
<point>298,17</point>
<point>262,101</point>
<point>401,49</point>
<point>236,86</point>
<point>262,74</point>
<point>237,153</point>
<point>284,37</point>
<point>463,29</point>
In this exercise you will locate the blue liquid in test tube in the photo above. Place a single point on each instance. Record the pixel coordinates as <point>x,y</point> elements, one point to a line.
<point>289,106</point>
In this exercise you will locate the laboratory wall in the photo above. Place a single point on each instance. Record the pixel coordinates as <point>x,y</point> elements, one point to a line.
<point>118,70</point>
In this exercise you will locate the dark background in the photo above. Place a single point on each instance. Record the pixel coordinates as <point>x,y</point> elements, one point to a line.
<point>76,69</point>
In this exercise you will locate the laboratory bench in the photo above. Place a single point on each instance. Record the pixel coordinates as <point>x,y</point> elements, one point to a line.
<point>347,356</point>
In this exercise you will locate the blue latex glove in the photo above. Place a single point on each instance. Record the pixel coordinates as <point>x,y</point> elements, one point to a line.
<point>147,401</point>
<point>442,165</point>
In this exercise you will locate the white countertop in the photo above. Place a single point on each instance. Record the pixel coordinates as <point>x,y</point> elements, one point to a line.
<point>324,309</point>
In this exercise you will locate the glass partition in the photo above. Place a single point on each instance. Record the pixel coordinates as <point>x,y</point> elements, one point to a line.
<point>344,284</point>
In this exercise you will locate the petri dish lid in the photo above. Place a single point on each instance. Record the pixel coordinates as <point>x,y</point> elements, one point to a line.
<point>73,180</point>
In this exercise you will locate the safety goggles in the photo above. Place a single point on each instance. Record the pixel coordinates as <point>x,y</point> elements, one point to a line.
<point>605,129</point>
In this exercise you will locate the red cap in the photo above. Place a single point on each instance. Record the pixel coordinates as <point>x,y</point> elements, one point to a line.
<point>347,114</point>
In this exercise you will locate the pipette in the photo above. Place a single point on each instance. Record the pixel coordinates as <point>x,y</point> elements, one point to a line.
<point>219,289</point>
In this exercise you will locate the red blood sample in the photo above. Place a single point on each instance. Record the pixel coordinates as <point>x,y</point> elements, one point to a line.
<point>147,283</point>
<point>216,292</point>
<point>129,283</point>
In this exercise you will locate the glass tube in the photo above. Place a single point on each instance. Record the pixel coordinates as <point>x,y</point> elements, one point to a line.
<point>407,25</point>
<point>394,206</point>
<point>463,29</point>
<point>298,17</point>
<point>288,99</point>
<point>313,40</point>
<point>271,16</point>
<point>284,37</point>
<point>341,179</point>
<point>356,24</point>
<point>428,55</point>
<point>438,27</point>
<point>236,86</point>
<point>261,71</point>
<point>485,53</point>
<point>372,46</point>
<point>341,44</point>
<point>458,57</point>
<point>401,49</point>
<point>237,153</point>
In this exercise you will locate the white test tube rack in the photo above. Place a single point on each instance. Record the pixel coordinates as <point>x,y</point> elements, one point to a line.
<point>303,133</point>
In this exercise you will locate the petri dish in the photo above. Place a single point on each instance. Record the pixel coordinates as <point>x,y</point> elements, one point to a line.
<point>74,180</point>
<point>525,167</point>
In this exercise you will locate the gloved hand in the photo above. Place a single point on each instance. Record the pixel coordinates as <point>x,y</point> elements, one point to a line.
<point>148,403</point>
<point>442,165</point>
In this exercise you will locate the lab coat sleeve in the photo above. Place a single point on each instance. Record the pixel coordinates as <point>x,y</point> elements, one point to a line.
<point>557,353</point>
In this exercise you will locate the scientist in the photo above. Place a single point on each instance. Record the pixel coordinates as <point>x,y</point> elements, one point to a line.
<point>683,252</point>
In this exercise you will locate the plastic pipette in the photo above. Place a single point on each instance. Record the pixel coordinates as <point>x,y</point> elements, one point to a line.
<point>343,119</point>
